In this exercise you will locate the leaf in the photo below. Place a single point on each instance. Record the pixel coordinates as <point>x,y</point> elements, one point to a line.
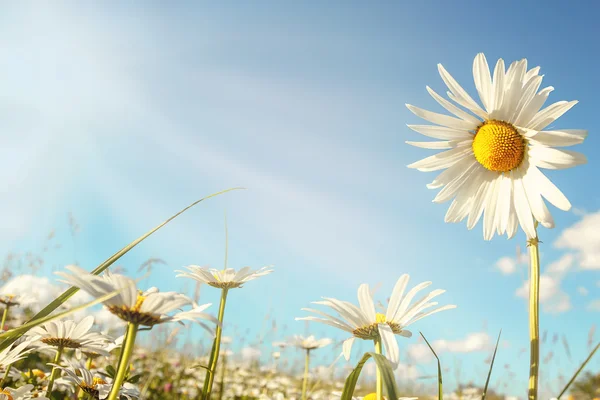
<point>387,374</point>
<point>110,371</point>
<point>440,391</point>
<point>578,371</point>
<point>487,381</point>
<point>100,268</point>
<point>203,367</point>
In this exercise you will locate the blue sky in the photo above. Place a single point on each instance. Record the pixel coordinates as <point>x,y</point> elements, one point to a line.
<point>124,113</point>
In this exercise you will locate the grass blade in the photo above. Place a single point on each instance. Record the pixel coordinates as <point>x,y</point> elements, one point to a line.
<point>10,339</point>
<point>578,371</point>
<point>387,374</point>
<point>440,386</point>
<point>487,381</point>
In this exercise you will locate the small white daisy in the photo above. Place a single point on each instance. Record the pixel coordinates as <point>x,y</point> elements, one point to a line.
<point>365,323</point>
<point>223,279</point>
<point>71,335</point>
<point>25,392</point>
<point>492,167</point>
<point>305,343</point>
<point>142,308</point>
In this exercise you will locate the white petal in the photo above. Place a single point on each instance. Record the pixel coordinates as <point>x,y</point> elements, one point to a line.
<point>441,119</point>
<point>461,179</point>
<point>533,107</point>
<point>522,207</point>
<point>498,89</point>
<point>366,302</point>
<point>396,296</point>
<point>432,145</point>
<point>480,198</point>
<point>489,226</point>
<point>483,80</point>
<point>441,132</point>
<point>452,108</point>
<point>562,138</point>
<point>548,189</point>
<point>347,347</point>
<point>452,173</point>
<point>442,160</point>
<point>392,352</point>
<point>460,95</point>
<point>538,207</point>
<point>549,114</point>
<point>547,157</point>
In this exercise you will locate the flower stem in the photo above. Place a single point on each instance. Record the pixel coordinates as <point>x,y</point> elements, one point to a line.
<point>123,367</point>
<point>534,316</point>
<point>379,382</point>
<point>55,371</point>
<point>305,380</point>
<point>214,354</point>
<point>4,315</point>
<point>222,383</point>
<point>3,381</point>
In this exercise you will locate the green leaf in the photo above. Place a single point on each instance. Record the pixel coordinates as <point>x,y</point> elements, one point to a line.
<point>134,379</point>
<point>578,371</point>
<point>440,391</point>
<point>387,374</point>
<point>99,269</point>
<point>110,371</point>
<point>201,366</point>
<point>487,381</point>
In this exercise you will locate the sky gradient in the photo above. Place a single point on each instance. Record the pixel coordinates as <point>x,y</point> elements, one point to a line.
<point>123,113</point>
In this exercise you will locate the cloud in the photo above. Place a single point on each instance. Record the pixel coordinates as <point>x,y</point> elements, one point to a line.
<point>594,305</point>
<point>506,265</point>
<point>582,291</point>
<point>554,300</point>
<point>584,239</point>
<point>473,342</point>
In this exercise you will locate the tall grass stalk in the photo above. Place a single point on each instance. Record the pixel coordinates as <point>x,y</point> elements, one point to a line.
<point>214,354</point>
<point>305,380</point>
<point>534,316</point>
<point>123,368</point>
<point>55,370</point>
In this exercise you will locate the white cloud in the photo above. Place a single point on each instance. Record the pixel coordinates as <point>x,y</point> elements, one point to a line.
<point>594,305</point>
<point>559,268</point>
<point>506,265</point>
<point>473,342</point>
<point>582,291</point>
<point>553,299</point>
<point>583,238</point>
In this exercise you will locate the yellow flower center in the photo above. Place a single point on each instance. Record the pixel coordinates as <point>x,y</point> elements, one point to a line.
<point>380,318</point>
<point>6,393</point>
<point>98,381</point>
<point>38,373</point>
<point>138,303</point>
<point>498,146</point>
<point>370,396</point>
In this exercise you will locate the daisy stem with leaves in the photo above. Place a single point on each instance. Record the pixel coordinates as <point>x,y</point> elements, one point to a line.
<point>216,347</point>
<point>379,381</point>
<point>305,380</point>
<point>534,315</point>
<point>123,367</point>
<point>55,370</point>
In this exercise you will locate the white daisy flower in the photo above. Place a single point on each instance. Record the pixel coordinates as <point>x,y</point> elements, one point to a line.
<point>16,352</point>
<point>148,308</point>
<point>12,300</point>
<point>305,343</point>
<point>223,279</point>
<point>71,335</point>
<point>95,385</point>
<point>22,393</point>
<point>492,167</point>
<point>365,323</point>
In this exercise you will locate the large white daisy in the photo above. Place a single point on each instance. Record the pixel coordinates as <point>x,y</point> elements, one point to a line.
<point>494,154</point>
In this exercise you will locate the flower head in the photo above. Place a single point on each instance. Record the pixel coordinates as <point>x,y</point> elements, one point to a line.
<point>131,305</point>
<point>305,343</point>
<point>223,279</point>
<point>494,154</point>
<point>22,393</point>
<point>365,323</point>
<point>71,335</point>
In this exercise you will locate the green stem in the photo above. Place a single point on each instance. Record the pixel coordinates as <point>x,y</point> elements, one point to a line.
<point>4,315</point>
<point>3,381</point>
<point>214,354</point>
<point>534,316</point>
<point>55,371</point>
<point>305,380</point>
<point>379,382</point>
<point>222,383</point>
<point>123,367</point>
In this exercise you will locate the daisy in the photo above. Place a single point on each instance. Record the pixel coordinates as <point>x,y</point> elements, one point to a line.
<point>15,353</point>
<point>22,393</point>
<point>12,300</point>
<point>365,323</point>
<point>141,308</point>
<point>494,154</point>
<point>71,335</point>
<point>223,279</point>
<point>305,343</point>
<point>95,385</point>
